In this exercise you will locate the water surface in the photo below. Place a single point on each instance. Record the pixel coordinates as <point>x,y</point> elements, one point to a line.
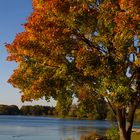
<point>44,128</point>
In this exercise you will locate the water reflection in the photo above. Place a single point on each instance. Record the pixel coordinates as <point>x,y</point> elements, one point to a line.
<point>43,128</point>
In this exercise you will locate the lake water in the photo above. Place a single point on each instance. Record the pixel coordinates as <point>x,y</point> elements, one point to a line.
<point>44,128</point>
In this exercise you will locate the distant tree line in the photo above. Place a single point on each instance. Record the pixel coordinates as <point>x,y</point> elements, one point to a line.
<point>101,111</point>
<point>36,110</point>
<point>74,111</point>
<point>9,110</point>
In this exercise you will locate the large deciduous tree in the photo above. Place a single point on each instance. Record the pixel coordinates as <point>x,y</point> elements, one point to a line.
<point>83,48</point>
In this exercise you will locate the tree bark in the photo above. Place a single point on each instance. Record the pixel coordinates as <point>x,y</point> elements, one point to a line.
<point>121,123</point>
<point>130,120</point>
<point>125,123</point>
<point>122,134</point>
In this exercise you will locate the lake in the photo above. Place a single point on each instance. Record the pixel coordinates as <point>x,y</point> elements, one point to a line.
<point>44,128</point>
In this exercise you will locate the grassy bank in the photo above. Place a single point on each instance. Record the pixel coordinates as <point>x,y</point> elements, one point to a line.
<point>94,136</point>
<point>135,136</point>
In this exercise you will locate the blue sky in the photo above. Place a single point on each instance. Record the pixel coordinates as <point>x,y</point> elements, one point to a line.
<point>13,13</point>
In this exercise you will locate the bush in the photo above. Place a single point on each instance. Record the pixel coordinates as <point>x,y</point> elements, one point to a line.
<point>112,133</point>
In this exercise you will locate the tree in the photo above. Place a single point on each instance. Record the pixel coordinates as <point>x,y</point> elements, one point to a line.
<point>63,105</point>
<point>85,48</point>
<point>121,29</point>
<point>73,111</point>
<point>36,110</point>
<point>9,110</point>
<point>13,110</point>
<point>91,108</point>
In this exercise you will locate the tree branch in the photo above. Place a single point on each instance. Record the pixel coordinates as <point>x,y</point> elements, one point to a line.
<point>111,106</point>
<point>89,43</point>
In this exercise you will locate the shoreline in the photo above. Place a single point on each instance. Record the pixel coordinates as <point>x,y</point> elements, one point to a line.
<point>135,130</point>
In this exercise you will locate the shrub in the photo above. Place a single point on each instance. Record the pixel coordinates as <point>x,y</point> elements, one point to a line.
<point>112,133</point>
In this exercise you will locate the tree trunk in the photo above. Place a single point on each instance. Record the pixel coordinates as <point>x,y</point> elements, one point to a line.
<point>130,120</point>
<point>122,134</point>
<point>121,123</point>
<point>125,124</point>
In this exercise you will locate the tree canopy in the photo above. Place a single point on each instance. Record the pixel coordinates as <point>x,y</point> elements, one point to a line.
<point>83,48</point>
